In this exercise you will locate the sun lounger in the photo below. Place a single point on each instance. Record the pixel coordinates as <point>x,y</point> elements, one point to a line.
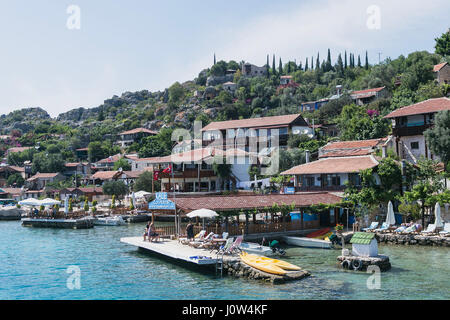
<point>430,229</point>
<point>400,229</point>
<point>372,226</point>
<point>384,226</point>
<point>225,247</point>
<point>446,230</point>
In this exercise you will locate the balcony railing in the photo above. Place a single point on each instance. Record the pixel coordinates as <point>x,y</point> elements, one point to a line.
<point>410,131</point>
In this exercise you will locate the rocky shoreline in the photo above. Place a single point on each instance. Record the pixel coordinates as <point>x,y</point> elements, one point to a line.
<point>239,269</point>
<point>412,239</point>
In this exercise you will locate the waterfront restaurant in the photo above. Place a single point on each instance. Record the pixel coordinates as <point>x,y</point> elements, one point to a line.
<point>260,208</point>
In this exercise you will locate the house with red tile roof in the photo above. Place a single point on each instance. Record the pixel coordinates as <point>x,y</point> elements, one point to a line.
<point>442,73</point>
<point>129,137</point>
<point>409,124</point>
<point>40,180</point>
<point>366,96</point>
<point>330,173</point>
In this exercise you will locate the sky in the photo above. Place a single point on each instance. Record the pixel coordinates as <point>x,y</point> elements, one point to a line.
<point>148,45</point>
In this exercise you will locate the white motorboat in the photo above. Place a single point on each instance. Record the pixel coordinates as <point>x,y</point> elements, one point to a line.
<point>109,221</point>
<point>308,242</point>
<point>256,248</point>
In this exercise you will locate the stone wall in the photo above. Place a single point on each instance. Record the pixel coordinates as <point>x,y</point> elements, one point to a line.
<point>413,239</point>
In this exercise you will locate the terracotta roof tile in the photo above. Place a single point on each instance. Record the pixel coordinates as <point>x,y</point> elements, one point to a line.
<point>427,106</point>
<point>253,122</point>
<point>43,176</point>
<point>367,91</point>
<point>439,66</point>
<point>346,153</point>
<point>105,175</point>
<point>334,165</point>
<point>224,203</point>
<point>353,144</point>
<point>139,130</point>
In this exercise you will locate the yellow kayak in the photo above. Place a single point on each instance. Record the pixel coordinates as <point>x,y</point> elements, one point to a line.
<point>280,263</point>
<point>254,261</point>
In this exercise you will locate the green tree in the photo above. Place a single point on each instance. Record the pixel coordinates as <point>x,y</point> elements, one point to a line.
<point>176,93</point>
<point>144,182</point>
<point>366,65</point>
<point>115,188</point>
<point>443,44</point>
<point>122,163</point>
<point>15,180</point>
<point>95,151</point>
<point>223,171</point>
<point>438,137</point>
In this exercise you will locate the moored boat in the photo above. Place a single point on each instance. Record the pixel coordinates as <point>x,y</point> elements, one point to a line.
<point>308,242</point>
<point>109,221</point>
<point>256,248</point>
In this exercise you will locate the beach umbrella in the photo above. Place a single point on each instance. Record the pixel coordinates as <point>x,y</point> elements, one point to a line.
<point>437,212</point>
<point>50,202</point>
<point>133,198</point>
<point>30,202</point>
<point>141,194</point>
<point>203,213</point>
<point>390,217</point>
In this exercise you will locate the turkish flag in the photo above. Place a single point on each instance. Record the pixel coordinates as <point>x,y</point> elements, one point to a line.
<point>156,175</point>
<point>168,169</point>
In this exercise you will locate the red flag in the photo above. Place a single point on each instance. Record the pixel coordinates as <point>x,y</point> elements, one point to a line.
<point>156,175</point>
<point>168,169</point>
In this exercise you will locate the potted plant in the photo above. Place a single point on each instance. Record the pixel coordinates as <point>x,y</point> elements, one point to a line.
<point>339,228</point>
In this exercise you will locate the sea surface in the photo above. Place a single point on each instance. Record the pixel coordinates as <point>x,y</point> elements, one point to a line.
<point>34,264</point>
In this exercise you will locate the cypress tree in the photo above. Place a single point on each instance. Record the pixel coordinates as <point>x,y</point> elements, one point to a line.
<point>274,70</point>
<point>280,67</point>
<point>312,63</point>
<point>340,65</point>
<point>323,67</point>
<point>367,61</point>
<point>359,61</point>
<point>300,67</point>
<point>328,66</point>
<point>306,65</point>
<point>317,62</point>
<point>353,60</point>
<point>289,67</point>
<point>214,58</point>
<point>267,67</point>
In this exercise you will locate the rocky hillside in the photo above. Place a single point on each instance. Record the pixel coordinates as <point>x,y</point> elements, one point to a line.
<point>24,120</point>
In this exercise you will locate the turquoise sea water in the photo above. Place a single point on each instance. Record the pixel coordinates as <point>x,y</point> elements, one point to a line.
<point>33,264</point>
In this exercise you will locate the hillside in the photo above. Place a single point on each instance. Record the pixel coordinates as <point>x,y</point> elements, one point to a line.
<point>407,80</point>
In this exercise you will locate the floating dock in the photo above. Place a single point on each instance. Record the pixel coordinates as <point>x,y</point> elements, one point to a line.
<point>225,264</point>
<point>59,223</point>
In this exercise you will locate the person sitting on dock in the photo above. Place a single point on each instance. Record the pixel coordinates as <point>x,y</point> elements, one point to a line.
<point>147,231</point>
<point>152,235</point>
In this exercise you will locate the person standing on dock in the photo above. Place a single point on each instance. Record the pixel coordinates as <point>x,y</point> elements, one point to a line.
<point>147,230</point>
<point>190,230</point>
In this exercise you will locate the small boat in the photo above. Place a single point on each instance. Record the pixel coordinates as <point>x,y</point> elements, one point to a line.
<point>256,248</point>
<point>280,263</point>
<point>257,263</point>
<point>109,221</point>
<point>308,242</point>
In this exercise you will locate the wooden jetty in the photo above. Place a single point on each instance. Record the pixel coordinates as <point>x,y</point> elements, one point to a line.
<point>224,264</point>
<point>85,223</point>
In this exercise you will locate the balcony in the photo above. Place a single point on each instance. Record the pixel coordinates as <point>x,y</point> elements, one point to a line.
<point>316,188</point>
<point>410,131</point>
<point>188,173</point>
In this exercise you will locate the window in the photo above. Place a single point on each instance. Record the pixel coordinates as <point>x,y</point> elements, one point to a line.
<point>309,181</point>
<point>415,145</point>
<point>335,180</point>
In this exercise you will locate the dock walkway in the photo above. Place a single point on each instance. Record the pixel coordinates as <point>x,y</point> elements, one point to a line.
<point>178,251</point>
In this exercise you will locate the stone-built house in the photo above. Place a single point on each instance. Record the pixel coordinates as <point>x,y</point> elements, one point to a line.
<point>442,73</point>
<point>250,70</point>
<point>409,124</point>
<point>6,171</point>
<point>230,87</point>
<point>284,80</point>
<point>369,95</point>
